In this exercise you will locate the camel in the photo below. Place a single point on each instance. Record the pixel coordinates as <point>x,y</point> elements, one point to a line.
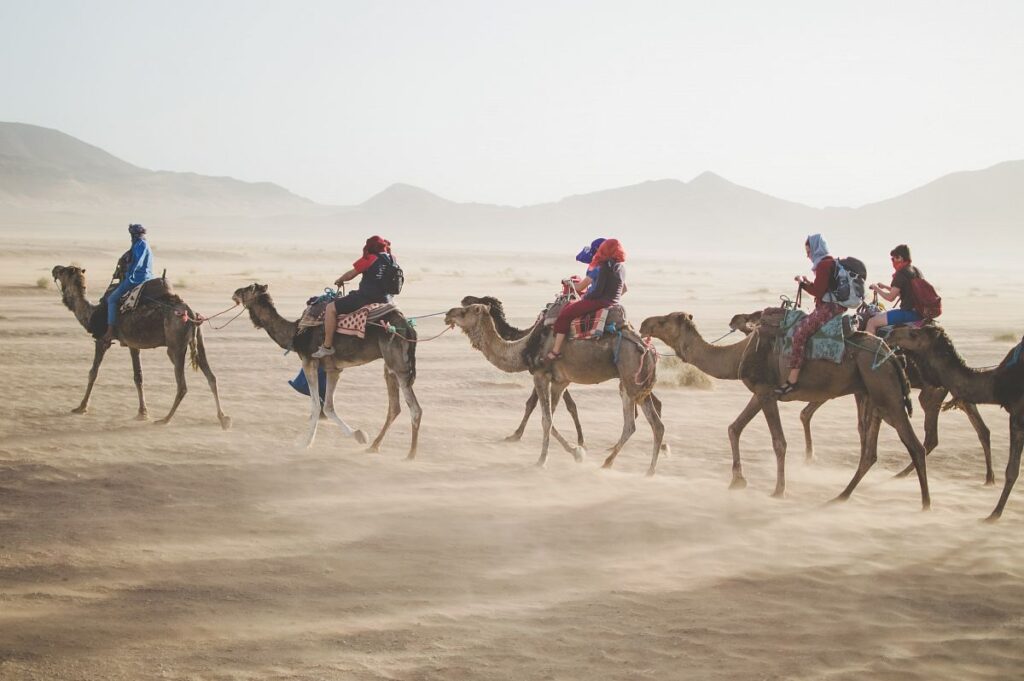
<point>511,333</point>
<point>588,362</point>
<point>931,398</point>
<point>167,322</point>
<point>754,361</point>
<point>398,352</point>
<point>933,350</point>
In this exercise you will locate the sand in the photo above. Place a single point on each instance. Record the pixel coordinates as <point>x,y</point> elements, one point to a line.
<point>135,551</point>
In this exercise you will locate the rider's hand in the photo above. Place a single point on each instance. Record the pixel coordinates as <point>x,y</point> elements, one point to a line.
<point>339,281</point>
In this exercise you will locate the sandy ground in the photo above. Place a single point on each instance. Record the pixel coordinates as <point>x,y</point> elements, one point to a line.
<point>135,551</point>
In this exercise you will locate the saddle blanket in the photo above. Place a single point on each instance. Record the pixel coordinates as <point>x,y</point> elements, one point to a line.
<point>828,343</point>
<point>590,326</point>
<point>351,324</point>
<point>154,288</point>
<point>131,299</point>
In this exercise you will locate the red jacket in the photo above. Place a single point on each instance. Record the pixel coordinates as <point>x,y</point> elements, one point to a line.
<point>822,277</point>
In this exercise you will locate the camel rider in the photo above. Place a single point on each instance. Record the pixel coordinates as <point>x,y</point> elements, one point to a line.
<point>372,266</point>
<point>606,291</point>
<point>586,256</point>
<point>904,273</point>
<point>138,269</point>
<point>822,265</point>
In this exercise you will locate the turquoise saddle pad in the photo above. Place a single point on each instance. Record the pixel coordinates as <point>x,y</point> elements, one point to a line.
<point>828,343</point>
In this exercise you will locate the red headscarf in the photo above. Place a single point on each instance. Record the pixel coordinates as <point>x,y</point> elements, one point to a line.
<point>611,249</point>
<point>376,244</point>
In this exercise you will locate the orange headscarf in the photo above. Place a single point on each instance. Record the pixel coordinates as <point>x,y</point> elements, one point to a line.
<point>611,249</point>
<point>376,244</point>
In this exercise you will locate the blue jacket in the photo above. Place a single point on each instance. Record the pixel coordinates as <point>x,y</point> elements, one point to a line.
<point>140,269</point>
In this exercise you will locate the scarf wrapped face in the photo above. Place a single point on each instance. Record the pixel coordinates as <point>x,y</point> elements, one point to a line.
<point>902,264</point>
<point>376,244</point>
<point>819,249</point>
<point>611,249</point>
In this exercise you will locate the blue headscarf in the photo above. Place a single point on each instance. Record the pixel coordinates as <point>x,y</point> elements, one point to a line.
<point>588,252</point>
<point>819,249</point>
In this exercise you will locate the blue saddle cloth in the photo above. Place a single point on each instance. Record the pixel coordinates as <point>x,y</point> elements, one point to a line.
<point>302,385</point>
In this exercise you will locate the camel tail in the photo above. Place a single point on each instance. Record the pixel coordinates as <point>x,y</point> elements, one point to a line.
<point>194,343</point>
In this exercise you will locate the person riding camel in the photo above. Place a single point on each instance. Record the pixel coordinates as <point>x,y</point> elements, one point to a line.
<point>376,259</point>
<point>137,269</point>
<point>822,265</point>
<point>606,291</point>
<point>901,288</point>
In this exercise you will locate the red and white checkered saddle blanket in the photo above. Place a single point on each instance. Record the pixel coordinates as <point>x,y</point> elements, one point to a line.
<point>351,324</point>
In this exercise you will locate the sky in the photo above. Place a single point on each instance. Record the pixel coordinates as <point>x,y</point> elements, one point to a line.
<point>826,103</point>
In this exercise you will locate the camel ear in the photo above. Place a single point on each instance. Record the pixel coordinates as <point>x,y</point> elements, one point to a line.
<point>83,270</point>
<point>262,288</point>
<point>690,317</point>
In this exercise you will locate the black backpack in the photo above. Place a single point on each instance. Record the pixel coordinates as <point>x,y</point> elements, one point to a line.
<point>392,278</point>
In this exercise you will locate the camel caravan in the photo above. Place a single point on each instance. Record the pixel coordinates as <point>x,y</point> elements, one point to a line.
<point>583,337</point>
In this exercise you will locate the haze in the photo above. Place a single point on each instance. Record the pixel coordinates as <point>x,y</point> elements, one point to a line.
<point>525,103</point>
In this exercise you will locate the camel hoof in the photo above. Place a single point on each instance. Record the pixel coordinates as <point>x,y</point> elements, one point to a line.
<point>540,465</point>
<point>993,518</point>
<point>411,456</point>
<point>666,451</point>
<point>989,482</point>
<point>607,464</point>
<point>738,483</point>
<point>579,454</point>
<point>904,473</point>
<point>810,459</point>
<point>926,506</point>
<point>142,416</point>
<point>838,500</point>
<point>373,449</point>
<point>162,422</point>
<point>778,494</point>
<point>650,473</point>
<point>80,410</point>
<point>514,437</point>
<point>360,437</point>
<point>225,422</point>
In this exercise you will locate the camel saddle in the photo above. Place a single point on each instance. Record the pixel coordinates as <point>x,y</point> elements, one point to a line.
<point>154,289</point>
<point>351,324</point>
<point>828,343</point>
<point>590,326</point>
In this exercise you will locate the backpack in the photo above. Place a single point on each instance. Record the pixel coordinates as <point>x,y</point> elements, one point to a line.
<point>392,278</point>
<point>927,302</point>
<point>846,286</point>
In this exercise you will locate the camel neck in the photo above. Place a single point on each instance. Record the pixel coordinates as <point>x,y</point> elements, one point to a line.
<point>506,355</point>
<point>966,383</point>
<point>718,361</point>
<point>74,298</point>
<point>265,316</point>
<point>506,330</point>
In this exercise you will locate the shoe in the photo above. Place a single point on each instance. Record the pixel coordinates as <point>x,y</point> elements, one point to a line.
<point>322,352</point>
<point>552,356</point>
<point>785,389</point>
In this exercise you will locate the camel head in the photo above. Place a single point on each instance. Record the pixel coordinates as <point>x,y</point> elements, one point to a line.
<point>747,323</point>
<point>468,317</point>
<point>247,295</point>
<point>675,329</point>
<point>915,339</point>
<point>69,276</point>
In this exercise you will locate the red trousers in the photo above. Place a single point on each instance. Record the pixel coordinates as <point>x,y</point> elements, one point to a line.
<point>822,313</point>
<point>577,309</point>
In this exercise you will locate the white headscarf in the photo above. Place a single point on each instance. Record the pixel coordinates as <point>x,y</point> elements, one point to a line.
<point>819,249</point>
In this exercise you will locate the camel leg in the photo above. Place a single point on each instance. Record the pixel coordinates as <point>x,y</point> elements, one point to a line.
<point>770,407</point>
<point>628,425</point>
<point>394,409</point>
<point>570,405</point>
<point>177,356</point>
<point>97,358</point>
<point>531,404</point>
<point>868,456</point>
<point>901,422</point>
<point>211,379</point>
<point>805,418</point>
<point>542,387</point>
<point>984,436</point>
<point>930,400</point>
<point>735,430</point>
<point>333,375</point>
<point>1012,467</point>
<point>309,367</point>
<point>658,428</point>
<point>137,375</point>
<point>666,451</point>
<point>578,453</point>
<point>415,412</point>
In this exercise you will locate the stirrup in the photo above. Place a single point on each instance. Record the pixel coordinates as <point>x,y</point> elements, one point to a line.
<point>323,351</point>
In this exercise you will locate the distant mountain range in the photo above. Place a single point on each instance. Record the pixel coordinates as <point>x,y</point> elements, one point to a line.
<point>50,179</point>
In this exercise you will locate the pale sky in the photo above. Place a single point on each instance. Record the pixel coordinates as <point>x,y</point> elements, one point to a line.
<point>827,103</point>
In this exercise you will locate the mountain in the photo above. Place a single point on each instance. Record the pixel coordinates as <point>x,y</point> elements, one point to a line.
<point>44,169</point>
<point>50,179</point>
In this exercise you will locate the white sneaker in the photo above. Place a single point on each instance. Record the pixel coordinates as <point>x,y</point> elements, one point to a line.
<point>322,352</point>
